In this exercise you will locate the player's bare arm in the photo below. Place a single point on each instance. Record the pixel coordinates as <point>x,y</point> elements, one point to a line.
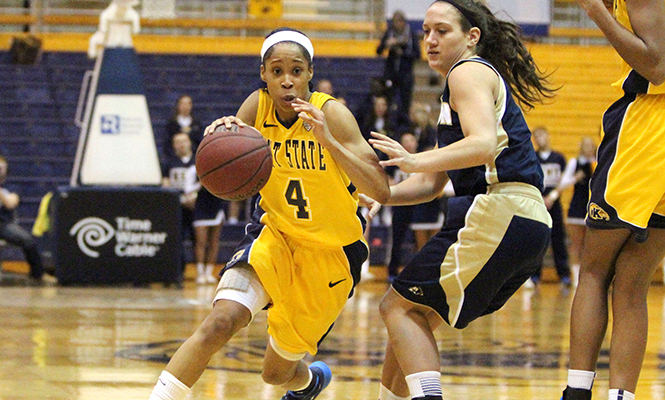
<point>643,50</point>
<point>418,188</point>
<point>336,129</point>
<point>246,114</point>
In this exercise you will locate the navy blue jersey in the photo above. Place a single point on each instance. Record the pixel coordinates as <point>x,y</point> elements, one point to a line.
<point>181,173</point>
<point>553,164</point>
<point>515,159</point>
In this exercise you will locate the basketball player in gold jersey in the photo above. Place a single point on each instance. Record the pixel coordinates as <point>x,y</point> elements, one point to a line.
<point>625,239</point>
<point>303,251</point>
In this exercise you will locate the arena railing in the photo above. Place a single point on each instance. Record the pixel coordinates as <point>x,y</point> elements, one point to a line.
<point>356,19</point>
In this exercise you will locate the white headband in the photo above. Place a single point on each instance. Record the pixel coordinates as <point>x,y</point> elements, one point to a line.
<point>287,36</point>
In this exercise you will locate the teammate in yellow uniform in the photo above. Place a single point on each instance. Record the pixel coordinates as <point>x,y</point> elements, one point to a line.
<point>302,254</point>
<point>625,239</point>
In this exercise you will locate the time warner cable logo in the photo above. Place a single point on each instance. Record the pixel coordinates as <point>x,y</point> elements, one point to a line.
<point>134,237</point>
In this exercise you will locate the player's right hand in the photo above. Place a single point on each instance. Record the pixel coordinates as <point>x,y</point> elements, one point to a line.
<point>226,121</point>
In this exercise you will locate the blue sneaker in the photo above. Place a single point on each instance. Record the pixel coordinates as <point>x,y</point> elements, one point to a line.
<point>576,394</point>
<point>321,377</point>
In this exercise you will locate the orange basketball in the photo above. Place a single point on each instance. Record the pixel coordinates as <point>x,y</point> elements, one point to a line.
<point>234,164</point>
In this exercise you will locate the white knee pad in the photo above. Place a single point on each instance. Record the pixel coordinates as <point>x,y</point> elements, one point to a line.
<point>242,285</point>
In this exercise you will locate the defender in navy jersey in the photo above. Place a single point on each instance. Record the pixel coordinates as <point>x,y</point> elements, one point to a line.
<point>554,165</point>
<point>497,226</point>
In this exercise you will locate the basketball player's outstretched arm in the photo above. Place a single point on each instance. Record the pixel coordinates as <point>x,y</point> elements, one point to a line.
<point>643,50</point>
<point>337,130</point>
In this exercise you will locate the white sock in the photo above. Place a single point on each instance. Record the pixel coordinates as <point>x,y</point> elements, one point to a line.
<point>620,394</point>
<point>386,394</point>
<point>200,269</point>
<point>209,268</point>
<point>579,379</point>
<point>168,387</point>
<point>427,383</point>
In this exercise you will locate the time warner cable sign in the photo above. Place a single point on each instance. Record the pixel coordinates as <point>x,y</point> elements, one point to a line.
<point>129,237</point>
<point>117,234</point>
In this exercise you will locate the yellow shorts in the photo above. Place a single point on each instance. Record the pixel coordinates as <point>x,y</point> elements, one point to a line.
<point>628,185</point>
<point>308,284</point>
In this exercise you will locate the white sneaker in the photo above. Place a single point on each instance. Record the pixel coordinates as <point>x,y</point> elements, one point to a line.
<point>201,279</point>
<point>211,279</point>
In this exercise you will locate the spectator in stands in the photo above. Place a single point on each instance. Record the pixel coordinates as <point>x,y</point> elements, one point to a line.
<point>183,120</point>
<point>12,232</point>
<point>553,164</point>
<point>326,86</point>
<point>209,213</point>
<point>427,217</point>
<point>379,119</point>
<point>401,215</point>
<point>403,47</point>
<point>377,87</point>
<point>179,172</point>
<point>422,126</point>
<point>581,168</point>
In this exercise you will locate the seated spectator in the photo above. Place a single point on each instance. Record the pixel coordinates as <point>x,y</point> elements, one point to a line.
<point>422,126</point>
<point>12,232</point>
<point>179,172</point>
<point>326,86</point>
<point>378,119</point>
<point>377,87</point>
<point>401,215</point>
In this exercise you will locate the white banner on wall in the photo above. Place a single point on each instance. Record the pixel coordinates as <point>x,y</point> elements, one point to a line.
<point>120,149</point>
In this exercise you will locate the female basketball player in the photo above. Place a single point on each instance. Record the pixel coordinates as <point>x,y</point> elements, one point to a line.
<point>303,251</point>
<point>625,239</point>
<point>497,226</point>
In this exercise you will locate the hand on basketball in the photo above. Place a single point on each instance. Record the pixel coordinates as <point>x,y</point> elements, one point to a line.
<point>393,149</point>
<point>227,121</point>
<point>315,118</point>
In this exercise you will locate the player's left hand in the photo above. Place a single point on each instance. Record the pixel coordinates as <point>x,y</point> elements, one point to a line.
<point>314,118</point>
<point>398,155</point>
<point>373,205</point>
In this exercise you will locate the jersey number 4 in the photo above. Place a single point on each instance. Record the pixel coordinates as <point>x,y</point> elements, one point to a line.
<point>295,196</point>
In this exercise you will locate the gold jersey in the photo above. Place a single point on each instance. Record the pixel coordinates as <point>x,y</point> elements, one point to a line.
<point>308,196</point>
<point>631,81</point>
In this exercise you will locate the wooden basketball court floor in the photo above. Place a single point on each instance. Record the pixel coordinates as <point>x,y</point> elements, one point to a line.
<point>85,343</point>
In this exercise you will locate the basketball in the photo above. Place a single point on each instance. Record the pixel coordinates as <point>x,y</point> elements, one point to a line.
<point>234,164</point>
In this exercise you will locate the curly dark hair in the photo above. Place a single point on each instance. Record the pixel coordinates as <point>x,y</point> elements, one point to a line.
<point>501,44</point>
